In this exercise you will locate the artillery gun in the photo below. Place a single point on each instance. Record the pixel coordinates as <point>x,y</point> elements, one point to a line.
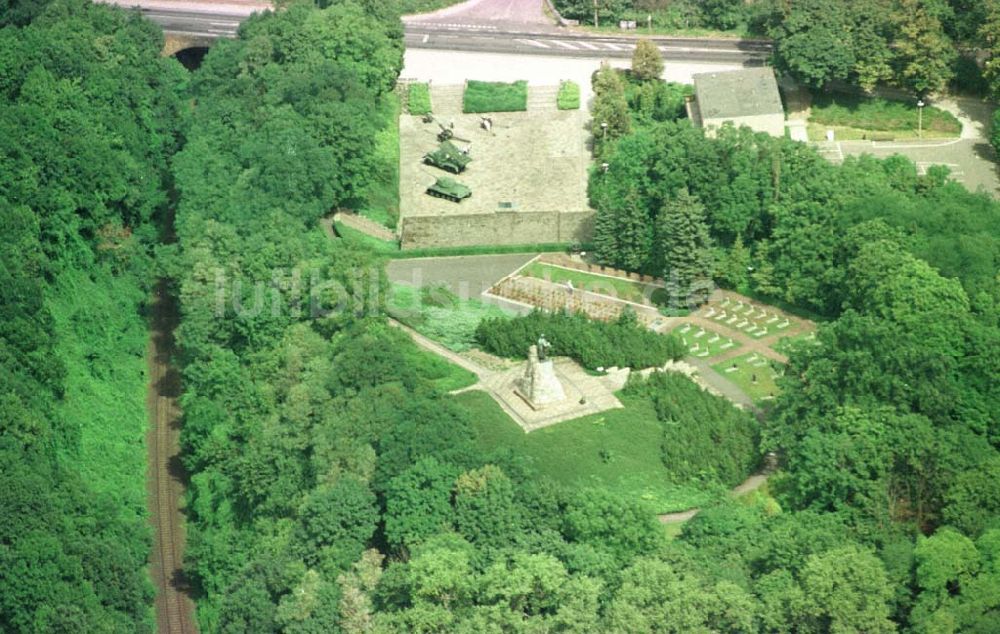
<point>449,189</point>
<point>447,132</point>
<point>449,158</point>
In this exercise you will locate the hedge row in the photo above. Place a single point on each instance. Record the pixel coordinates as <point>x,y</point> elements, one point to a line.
<point>595,344</point>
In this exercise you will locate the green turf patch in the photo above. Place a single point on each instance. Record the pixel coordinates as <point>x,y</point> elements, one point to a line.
<point>541,247</point>
<point>702,342</point>
<point>785,344</point>
<point>418,100</point>
<point>618,450</point>
<point>494,96</point>
<point>445,375</point>
<point>381,202</point>
<point>615,287</point>
<point>753,373</point>
<point>881,118</point>
<point>569,96</point>
<point>352,236</point>
<point>439,314</point>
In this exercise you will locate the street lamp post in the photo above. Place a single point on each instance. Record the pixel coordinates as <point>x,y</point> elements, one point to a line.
<point>595,14</point>
<point>604,130</point>
<point>920,118</point>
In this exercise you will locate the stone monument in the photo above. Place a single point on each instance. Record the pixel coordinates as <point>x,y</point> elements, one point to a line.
<point>539,386</point>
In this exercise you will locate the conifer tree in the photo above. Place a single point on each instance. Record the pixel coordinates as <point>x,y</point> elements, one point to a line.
<point>622,236</point>
<point>685,248</point>
<point>610,106</point>
<point>647,63</point>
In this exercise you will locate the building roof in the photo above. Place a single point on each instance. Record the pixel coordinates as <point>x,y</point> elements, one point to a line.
<point>737,93</point>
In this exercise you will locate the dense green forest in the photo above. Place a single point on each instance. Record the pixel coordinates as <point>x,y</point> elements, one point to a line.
<point>90,115</point>
<point>919,45</point>
<point>889,426</point>
<point>336,488</point>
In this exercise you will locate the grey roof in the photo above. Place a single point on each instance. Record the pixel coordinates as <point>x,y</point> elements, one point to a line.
<point>737,93</point>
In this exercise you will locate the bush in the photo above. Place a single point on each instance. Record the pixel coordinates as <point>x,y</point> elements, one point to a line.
<point>651,101</point>
<point>995,132</point>
<point>419,99</point>
<point>704,436</point>
<point>569,96</point>
<point>595,344</point>
<point>880,114</point>
<point>495,96</point>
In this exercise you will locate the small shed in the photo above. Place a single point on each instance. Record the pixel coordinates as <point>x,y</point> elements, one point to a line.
<point>747,97</point>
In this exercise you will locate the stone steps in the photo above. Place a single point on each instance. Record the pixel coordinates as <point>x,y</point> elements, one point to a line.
<point>447,100</point>
<point>542,97</point>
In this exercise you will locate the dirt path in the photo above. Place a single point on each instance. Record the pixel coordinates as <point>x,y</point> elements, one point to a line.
<point>749,485</point>
<point>166,479</point>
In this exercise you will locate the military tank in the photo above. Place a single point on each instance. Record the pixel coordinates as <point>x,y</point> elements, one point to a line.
<point>448,157</point>
<point>449,189</point>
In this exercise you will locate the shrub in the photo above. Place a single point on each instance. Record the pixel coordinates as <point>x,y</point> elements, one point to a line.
<point>704,436</point>
<point>595,344</point>
<point>419,99</point>
<point>494,96</point>
<point>569,96</point>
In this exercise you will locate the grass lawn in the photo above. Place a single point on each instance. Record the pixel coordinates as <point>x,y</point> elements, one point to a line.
<point>382,202</point>
<point>418,100</point>
<point>618,450</point>
<point>605,285</point>
<point>353,236</point>
<point>445,375</point>
<point>853,117</point>
<point>569,96</point>
<point>494,96</point>
<point>784,345</point>
<point>709,344</point>
<point>756,380</point>
<point>643,31</point>
<point>451,322</point>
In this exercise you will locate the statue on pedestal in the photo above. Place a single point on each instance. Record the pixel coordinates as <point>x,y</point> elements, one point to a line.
<point>539,385</point>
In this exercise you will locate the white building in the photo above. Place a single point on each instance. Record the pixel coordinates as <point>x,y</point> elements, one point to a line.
<point>746,97</point>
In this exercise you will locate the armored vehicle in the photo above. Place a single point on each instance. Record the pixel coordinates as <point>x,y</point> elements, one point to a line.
<point>448,157</point>
<point>449,189</point>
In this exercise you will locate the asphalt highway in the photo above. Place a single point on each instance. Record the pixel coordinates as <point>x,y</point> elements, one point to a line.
<point>222,20</point>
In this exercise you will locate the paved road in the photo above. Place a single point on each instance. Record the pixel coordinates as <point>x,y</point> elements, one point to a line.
<point>496,26</point>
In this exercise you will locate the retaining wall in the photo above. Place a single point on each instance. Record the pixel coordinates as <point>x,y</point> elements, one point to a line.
<point>496,228</point>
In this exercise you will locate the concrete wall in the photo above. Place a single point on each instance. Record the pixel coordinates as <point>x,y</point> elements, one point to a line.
<point>773,124</point>
<point>497,228</point>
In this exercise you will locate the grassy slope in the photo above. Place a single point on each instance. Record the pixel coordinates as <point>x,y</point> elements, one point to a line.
<point>485,96</point>
<point>445,375</point>
<point>605,285</point>
<point>382,204</point>
<point>453,326</point>
<point>763,388</point>
<point>571,452</point>
<point>102,340</point>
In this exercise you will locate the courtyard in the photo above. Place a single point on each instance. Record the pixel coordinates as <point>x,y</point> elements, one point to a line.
<point>531,161</point>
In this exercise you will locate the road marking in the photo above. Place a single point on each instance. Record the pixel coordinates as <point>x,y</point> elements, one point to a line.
<point>564,44</point>
<point>533,43</point>
<point>589,45</point>
<point>229,24</point>
<point>426,37</point>
<point>613,47</point>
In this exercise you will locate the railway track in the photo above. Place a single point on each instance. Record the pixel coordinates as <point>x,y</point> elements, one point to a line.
<point>174,608</point>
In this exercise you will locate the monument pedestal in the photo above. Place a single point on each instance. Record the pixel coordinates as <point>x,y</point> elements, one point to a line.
<point>540,386</point>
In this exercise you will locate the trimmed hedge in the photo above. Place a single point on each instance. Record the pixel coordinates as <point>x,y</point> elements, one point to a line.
<point>418,100</point>
<point>495,96</point>
<point>595,344</point>
<point>569,96</point>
